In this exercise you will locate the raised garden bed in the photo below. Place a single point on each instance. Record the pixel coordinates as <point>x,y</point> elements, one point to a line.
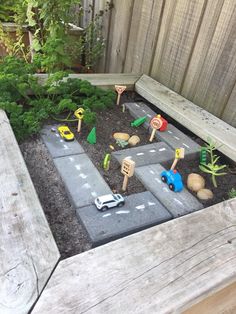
<point>74,240</point>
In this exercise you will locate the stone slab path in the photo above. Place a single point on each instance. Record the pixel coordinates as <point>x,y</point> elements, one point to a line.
<point>146,154</point>
<point>177,203</point>
<point>173,136</point>
<point>140,211</point>
<point>81,178</point>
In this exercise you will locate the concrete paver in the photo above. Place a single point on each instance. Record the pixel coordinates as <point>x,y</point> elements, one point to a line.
<point>177,203</point>
<point>56,145</point>
<point>140,211</point>
<point>82,179</point>
<point>172,136</point>
<point>146,154</point>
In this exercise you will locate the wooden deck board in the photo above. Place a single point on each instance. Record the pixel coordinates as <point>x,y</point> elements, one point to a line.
<point>28,252</point>
<point>103,80</point>
<point>164,269</point>
<point>196,119</point>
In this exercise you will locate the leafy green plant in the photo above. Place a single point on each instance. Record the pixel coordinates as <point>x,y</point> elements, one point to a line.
<point>212,167</point>
<point>232,193</point>
<point>29,103</point>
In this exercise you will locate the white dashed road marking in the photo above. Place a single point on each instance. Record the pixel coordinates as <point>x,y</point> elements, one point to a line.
<point>122,212</point>
<point>152,151</point>
<point>176,137</point>
<point>170,132</point>
<point>86,186</point>
<point>186,145</point>
<point>140,154</point>
<point>106,215</point>
<point>158,180</point>
<point>71,159</point>
<point>94,194</point>
<point>140,206</point>
<point>83,176</point>
<point>57,135</point>
<point>177,201</point>
<point>65,147</point>
<point>162,149</point>
<point>151,203</point>
<point>151,171</point>
<point>77,167</point>
<point>166,189</point>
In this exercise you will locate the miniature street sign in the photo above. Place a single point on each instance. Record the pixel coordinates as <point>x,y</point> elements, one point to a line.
<point>120,89</point>
<point>127,169</point>
<point>92,139</point>
<point>138,121</point>
<point>179,154</point>
<point>156,124</point>
<point>79,114</point>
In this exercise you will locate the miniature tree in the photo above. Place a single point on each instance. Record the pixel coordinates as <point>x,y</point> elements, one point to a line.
<point>212,167</point>
<point>92,139</point>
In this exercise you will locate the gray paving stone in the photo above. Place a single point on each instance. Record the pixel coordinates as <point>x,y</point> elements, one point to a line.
<point>140,109</point>
<point>56,145</point>
<point>173,136</point>
<point>140,211</point>
<point>81,178</point>
<point>178,203</point>
<point>146,154</point>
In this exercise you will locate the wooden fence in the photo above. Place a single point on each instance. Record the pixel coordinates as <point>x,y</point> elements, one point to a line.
<point>187,45</point>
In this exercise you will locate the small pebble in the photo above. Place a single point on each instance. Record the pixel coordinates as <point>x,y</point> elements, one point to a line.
<point>205,194</point>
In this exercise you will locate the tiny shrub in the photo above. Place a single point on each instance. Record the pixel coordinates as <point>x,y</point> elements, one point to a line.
<point>29,103</point>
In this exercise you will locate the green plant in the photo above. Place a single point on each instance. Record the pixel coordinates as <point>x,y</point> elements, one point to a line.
<point>29,103</point>
<point>232,193</point>
<point>212,167</point>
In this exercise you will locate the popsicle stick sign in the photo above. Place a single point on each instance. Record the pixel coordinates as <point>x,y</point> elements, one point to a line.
<point>79,114</point>
<point>179,154</point>
<point>156,124</point>
<point>127,169</point>
<point>120,89</point>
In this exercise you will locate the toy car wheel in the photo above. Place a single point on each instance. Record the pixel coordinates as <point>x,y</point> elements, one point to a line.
<point>171,186</point>
<point>164,179</point>
<point>103,209</point>
<point>121,204</point>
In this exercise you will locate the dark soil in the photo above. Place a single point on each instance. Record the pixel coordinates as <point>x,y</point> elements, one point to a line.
<point>70,236</point>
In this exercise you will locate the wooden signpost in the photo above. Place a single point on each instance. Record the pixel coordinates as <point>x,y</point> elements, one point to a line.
<point>179,154</point>
<point>79,114</point>
<point>120,89</point>
<point>156,124</point>
<point>127,169</point>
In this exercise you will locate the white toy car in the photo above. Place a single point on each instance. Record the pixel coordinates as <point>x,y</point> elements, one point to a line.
<point>105,202</point>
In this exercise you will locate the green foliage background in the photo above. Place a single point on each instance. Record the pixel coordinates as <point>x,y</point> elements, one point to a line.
<point>29,103</point>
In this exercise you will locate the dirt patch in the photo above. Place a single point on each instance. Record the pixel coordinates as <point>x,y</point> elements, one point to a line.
<point>70,236</point>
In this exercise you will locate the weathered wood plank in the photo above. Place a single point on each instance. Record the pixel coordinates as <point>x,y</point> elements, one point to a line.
<point>221,302</point>
<point>179,28</point>
<point>28,252</point>
<point>229,114</point>
<point>103,80</point>
<point>197,120</point>
<point>143,35</point>
<point>118,36</point>
<point>211,75</point>
<point>164,269</point>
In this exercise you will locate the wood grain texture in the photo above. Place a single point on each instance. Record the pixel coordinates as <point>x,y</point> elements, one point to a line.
<point>143,35</point>
<point>165,269</point>
<point>211,75</point>
<point>197,120</point>
<point>229,114</point>
<point>28,252</point>
<point>179,28</point>
<point>118,35</point>
<point>103,80</point>
<point>222,302</point>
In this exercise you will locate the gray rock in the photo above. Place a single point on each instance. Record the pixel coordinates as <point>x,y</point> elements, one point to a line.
<point>140,211</point>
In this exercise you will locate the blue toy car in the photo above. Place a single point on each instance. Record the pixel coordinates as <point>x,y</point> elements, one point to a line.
<point>173,179</point>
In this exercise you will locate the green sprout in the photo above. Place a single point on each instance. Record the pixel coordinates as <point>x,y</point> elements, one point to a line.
<point>212,167</point>
<point>232,193</point>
